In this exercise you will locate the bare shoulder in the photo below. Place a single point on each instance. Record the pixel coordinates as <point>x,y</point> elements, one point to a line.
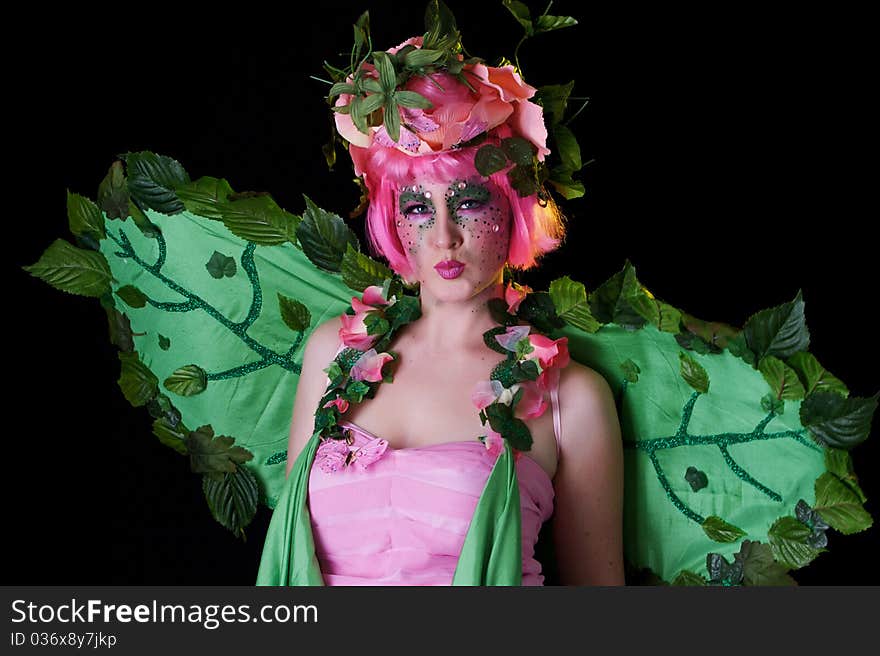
<point>587,408</point>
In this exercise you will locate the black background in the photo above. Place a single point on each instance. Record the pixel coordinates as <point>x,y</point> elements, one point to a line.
<point>733,156</point>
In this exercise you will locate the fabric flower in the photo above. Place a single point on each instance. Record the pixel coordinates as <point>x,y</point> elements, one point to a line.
<point>340,403</point>
<point>369,366</point>
<point>511,336</point>
<point>487,392</point>
<point>514,295</point>
<point>353,332</point>
<point>457,114</point>
<point>494,442</point>
<point>548,352</point>
<point>532,403</point>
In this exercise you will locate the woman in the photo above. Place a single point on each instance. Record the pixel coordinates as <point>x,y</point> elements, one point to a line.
<point>443,225</point>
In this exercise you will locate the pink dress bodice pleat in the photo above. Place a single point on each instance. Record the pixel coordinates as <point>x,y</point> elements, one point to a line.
<point>400,516</point>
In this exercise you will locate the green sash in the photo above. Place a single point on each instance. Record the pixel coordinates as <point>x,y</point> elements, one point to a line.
<point>491,553</point>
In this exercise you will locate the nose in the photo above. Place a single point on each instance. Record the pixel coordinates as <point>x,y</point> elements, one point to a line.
<point>446,233</point>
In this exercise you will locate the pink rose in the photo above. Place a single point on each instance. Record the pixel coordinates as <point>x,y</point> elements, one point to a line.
<point>353,332</point>
<point>340,403</point>
<point>369,366</point>
<point>514,295</point>
<point>532,403</point>
<point>487,392</point>
<point>549,353</point>
<point>494,442</point>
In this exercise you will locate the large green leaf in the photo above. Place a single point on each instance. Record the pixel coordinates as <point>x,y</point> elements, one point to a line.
<point>789,543</point>
<point>232,499</point>
<point>113,197</point>
<point>783,380</point>
<point>324,237</point>
<point>205,196</point>
<point>152,180</point>
<point>138,384</point>
<point>720,531</point>
<point>72,270</point>
<point>295,314</point>
<point>814,376</point>
<point>187,381</point>
<point>360,271</point>
<point>759,568</point>
<point>570,299</point>
<point>836,421</point>
<point>780,331</point>
<point>839,463</point>
<point>84,217</point>
<point>840,506</point>
<point>257,219</point>
<point>213,455</point>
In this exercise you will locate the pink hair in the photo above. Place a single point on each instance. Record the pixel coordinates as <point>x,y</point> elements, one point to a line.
<point>536,229</point>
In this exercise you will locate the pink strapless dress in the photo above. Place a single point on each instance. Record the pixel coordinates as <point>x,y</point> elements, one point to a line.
<point>402,518</point>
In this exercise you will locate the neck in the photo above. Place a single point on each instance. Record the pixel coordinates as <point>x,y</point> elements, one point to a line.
<point>448,327</point>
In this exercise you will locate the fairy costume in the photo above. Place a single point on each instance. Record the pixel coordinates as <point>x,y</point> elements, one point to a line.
<point>731,443</point>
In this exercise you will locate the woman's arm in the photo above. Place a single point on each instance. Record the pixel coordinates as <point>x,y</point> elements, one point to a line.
<point>588,517</point>
<point>319,350</point>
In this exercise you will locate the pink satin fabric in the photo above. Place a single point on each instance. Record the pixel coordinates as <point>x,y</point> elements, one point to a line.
<point>402,519</point>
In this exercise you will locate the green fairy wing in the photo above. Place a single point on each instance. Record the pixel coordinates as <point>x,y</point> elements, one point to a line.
<point>210,296</point>
<point>736,441</point>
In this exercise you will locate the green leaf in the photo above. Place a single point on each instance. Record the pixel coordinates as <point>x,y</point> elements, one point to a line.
<point>630,370</point>
<point>138,384</point>
<point>840,506</point>
<point>360,271</point>
<point>164,343</point>
<point>738,346</point>
<point>522,178</point>
<point>295,314</point>
<point>372,102</point>
<point>788,542</point>
<point>132,296</point>
<point>205,196</point>
<point>838,422</point>
<point>490,159</point>
<point>720,531</point>
<point>441,31</point>
<point>419,58</point>
<point>782,379</point>
<point>340,88</point>
<point>387,74</point>
<point>84,217</point>
<point>72,270</point>
<point>324,237</point>
<point>522,15</point>
<point>550,23</point>
<point>570,300</point>
<point>152,180</point>
<point>696,478</point>
<point>412,99</point>
<point>561,180</point>
<point>257,219</point>
<point>392,120</point>
<point>537,309</point>
<point>171,436</point>
<point>759,568</point>
<point>814,376</point>
<point>780,331</point>
<point>769,403</point>
<point>688,578</point>
<point>568,148</point>
<point>839,463</point>
<point>187,381</point>
<point>518,150</point>
<point>119,328</point>
<point>554,99</point>
<point>221,265</point>
<point>693,373</point>
<point>113,195</point>
<point>613,300</point>
<point>214,455</point>
<point>232,499</point>
<point>406,310</point>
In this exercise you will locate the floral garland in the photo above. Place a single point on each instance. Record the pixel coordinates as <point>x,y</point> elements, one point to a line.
<point>513,393</point>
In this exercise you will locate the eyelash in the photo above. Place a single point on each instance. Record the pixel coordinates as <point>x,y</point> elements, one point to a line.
<point>424,210</point>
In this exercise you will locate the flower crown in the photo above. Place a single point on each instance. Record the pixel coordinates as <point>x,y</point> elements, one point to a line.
<point>424,97</point>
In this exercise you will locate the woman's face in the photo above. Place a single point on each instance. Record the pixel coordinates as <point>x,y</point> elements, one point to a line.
<point>465,220</point>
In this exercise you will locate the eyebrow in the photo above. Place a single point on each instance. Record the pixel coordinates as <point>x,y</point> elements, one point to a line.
<point>408,196</point>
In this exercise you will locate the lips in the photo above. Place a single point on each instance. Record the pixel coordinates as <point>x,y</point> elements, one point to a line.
<point>449,269</point>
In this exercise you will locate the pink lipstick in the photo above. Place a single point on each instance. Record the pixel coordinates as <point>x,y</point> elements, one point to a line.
<point>449,269</point>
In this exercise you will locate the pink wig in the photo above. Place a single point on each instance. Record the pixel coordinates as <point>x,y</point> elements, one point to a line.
<point>536,229</point>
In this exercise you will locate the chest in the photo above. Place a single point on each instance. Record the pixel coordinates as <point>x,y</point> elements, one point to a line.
<point>429,403</point>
